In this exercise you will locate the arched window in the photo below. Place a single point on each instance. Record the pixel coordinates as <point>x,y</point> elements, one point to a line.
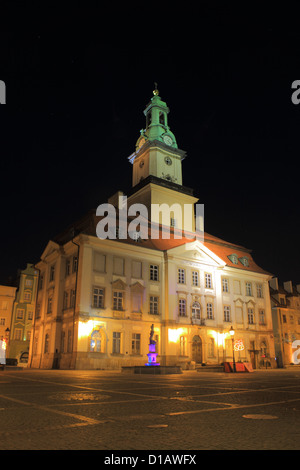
<point>95,341</point>
<point>196,311</point>
<point>162,118</point>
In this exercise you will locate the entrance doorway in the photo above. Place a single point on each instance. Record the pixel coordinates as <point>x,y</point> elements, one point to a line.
<point>197,349</point>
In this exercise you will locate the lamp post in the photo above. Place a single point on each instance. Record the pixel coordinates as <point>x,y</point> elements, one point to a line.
<point>231,331</point>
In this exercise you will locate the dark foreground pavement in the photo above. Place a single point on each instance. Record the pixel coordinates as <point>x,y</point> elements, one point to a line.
<point>111,411</point>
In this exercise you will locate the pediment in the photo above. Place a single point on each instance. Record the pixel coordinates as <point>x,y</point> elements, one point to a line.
<point>51,247</point>
<point>196,252</point>
<point>137,287</point>
<point>119,284</point>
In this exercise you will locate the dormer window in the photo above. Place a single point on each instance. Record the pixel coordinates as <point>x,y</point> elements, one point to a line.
<point>233,258</point>
<point>244,260</point>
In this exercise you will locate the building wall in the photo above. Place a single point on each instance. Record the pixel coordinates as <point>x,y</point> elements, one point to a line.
<point>23,313</point>
<point>285,302</point>
<point>65,336</point>
<point>7,297</point>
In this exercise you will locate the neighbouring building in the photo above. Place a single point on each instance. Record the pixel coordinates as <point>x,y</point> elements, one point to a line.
<point>23,313</point>
<point>97,298</point>
<point>7,297</point>
<point>285,302</point>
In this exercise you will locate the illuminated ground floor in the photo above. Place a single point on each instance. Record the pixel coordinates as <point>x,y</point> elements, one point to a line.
<point>110,343</point>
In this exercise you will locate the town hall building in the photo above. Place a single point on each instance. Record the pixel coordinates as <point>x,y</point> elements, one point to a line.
<point>97,299</point>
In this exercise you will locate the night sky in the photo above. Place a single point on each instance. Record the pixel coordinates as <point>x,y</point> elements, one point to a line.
<point>77,86</point>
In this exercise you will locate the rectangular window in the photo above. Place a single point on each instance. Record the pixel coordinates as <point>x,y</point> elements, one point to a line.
<point>172,222</point>
<point>116,347</point>
<point>41,281</point>
<point>72,298</point>
<point>99,262</point>
<point>38,310</point>
<point>118,300</point>
<point>182,346</point>
<point>27,296</point>
<point>118,266</point>
<point>18,334</point>
<point>136,343</point>
<point>195,278</point>
<point>225,285</point>
<point>153,305</point>
<point>250,316</point>
<point>182,307</point>
<point>47,341</point>
<point>136,269</point>
<point>66,300</point>
<point>28,282</point>
<point>259,291</point>
<point>20,314</point>
<point>49,309</point>
<point>208,281</point>
<point>211,347</point>
<point>248,288</point>
<point>98,297</point>
<point>75,264</point>
<point>153,272</point>
<point>181,276</point>
<point>209,311</point>
<point>239,314</point>
<point>262,319</point>
<point>68,267</point>
<point>52,272</point>
<point>284,318</point>
<point>136,301</point>
<point>30,314</point>
<point>226,313</point>
<point>2,321</point>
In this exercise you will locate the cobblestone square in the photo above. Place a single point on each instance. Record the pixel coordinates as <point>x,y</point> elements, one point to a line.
<point>110,410</point>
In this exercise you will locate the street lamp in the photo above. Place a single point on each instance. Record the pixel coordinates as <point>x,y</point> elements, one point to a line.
<point>231,331</point>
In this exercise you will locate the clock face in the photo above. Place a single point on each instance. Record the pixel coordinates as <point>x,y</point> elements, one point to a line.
<point>168,140</point>
<point>168,161</point>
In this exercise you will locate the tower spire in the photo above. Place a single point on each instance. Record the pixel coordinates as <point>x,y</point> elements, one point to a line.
<point>155,91</point>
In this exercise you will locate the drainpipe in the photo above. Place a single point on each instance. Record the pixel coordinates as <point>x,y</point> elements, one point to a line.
<point>33,325</point>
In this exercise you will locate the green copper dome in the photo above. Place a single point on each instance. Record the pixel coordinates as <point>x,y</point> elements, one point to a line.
<point>157,128</point>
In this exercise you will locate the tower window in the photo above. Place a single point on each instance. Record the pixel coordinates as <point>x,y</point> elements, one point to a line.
<point>149,119</point>
<point>162,118</point>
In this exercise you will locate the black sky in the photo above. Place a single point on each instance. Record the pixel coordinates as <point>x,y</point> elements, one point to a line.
<point>78,82</point>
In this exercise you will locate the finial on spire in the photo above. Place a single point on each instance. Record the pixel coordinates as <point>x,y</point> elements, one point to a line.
<point>155,91</point>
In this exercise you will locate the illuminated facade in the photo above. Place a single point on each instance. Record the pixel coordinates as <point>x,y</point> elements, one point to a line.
<point>22,316</point>
<point>98,298</point>
<point>7,297</point>
<point>285,301</point>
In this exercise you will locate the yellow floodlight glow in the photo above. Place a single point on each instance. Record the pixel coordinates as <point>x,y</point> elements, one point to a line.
<point>85,328</point>
<point>218,337</point>
<point>174,335</point>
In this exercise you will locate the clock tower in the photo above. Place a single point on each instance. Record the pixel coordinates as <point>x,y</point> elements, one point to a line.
<point>157,166</point>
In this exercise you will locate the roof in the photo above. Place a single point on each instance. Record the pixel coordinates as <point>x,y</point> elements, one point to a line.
<point>220,247</point>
